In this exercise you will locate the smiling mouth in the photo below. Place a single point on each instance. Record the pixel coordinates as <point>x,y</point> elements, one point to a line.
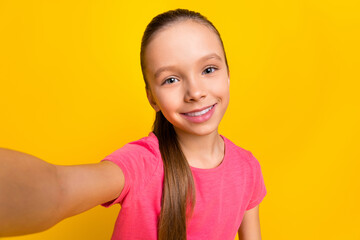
<point>199,113</point>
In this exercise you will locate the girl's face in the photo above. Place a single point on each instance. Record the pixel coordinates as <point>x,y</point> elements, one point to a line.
<point>187,76</point>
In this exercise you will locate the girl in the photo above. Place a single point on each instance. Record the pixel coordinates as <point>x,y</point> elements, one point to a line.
<point>182,181</point>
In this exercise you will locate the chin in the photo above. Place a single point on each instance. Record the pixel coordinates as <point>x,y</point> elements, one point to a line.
<point>198,130</point>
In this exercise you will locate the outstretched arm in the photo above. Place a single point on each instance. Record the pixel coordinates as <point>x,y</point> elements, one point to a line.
<point>250,225</point>
<point>35,195</point>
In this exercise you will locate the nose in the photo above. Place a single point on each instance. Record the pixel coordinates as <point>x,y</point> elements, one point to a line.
<point>195,91</point>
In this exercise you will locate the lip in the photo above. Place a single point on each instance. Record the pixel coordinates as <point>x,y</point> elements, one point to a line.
<point>200,109</point>
<point>202,118</point>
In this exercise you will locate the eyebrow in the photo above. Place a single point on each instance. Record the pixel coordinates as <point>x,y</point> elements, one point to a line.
<point>204,58</point>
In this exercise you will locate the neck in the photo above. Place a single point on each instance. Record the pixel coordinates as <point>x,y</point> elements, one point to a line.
<point>205,151</point>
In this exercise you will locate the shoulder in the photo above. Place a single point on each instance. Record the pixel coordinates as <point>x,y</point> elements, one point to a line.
<point>235,151</point>
<point>140,157</point>
<point>139,161</point>
<point>250,168</point>
<point>144,147</point>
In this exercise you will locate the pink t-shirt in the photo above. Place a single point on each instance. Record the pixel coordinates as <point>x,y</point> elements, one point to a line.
<point>223,193</point>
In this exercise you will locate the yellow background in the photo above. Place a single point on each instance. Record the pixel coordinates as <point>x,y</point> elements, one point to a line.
<point>71,92</point>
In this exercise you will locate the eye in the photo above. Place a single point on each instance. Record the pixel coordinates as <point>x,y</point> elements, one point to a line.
<point>170,80</point>
<point>209,70</point>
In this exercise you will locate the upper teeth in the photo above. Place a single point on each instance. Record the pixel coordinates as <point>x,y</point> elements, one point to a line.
<point>195,114</point>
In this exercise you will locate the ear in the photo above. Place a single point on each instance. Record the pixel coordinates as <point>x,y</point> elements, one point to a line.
<point>152,100</point>
<point>228,77</point>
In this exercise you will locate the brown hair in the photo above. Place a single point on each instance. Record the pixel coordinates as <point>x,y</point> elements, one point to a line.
<point>179,188</point>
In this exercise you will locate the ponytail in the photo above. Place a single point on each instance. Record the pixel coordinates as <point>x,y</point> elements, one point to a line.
<point>179,188</point>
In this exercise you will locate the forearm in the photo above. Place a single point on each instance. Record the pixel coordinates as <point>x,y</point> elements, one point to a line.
<point>29,193</point>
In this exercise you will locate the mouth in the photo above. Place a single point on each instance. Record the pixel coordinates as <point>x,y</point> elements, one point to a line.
<point>200,112</point>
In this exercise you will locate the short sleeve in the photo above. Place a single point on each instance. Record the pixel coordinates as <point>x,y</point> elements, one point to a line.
<point>138,162</point>
<point>259,190</point>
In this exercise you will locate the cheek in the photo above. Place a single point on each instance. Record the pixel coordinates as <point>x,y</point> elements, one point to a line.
<point>168,100</point>
<point>221,89</point>
<point>225,97</point>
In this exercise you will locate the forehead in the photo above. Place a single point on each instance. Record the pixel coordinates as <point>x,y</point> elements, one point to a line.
<point>181,44</point>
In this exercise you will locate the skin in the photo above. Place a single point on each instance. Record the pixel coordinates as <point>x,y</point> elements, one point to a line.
<point>250,225</point>
<point>36,195</point>
<point>190,76</point>
<point>186,70</point>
